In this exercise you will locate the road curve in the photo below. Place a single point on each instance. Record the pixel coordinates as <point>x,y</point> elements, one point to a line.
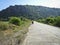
<point>42,34</point>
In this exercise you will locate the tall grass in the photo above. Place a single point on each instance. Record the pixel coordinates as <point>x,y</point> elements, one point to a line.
<point>3,25</point>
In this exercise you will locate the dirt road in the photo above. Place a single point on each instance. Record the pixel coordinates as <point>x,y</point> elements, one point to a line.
<point>42,34</point>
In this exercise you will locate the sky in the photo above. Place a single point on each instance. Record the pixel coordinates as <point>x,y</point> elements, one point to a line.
<point>48,3</point>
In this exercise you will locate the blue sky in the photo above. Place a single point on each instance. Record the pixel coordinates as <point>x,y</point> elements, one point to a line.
<point>49,3</point>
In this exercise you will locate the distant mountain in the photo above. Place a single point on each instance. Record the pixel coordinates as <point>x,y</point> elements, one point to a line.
<point>29,11</point>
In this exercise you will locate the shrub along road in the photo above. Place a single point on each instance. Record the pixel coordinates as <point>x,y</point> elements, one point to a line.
<point>42,34</point>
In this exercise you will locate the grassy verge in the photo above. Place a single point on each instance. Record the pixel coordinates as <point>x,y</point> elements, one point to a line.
<point>12,34</point>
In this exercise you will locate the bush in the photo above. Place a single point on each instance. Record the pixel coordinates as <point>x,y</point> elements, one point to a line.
<point>49,20</point>
<point>57,21</point>
<point>41,20</point>
<point>15,20</point>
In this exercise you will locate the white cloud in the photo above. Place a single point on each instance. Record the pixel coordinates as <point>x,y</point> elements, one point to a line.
<point>50,3</point>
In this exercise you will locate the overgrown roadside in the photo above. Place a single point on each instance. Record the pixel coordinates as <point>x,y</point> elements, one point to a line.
<point>14,35</point>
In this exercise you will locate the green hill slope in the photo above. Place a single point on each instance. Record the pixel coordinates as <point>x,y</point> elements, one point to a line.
<point>29,11</point>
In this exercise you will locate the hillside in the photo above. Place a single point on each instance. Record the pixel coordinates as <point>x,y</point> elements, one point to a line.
<point>29,11</point>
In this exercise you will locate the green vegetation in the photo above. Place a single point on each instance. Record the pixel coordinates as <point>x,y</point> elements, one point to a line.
<point>14,23</point>
<point>57,23</point>
<point>51,21</point>
<point>15,20</point>
<point>6,26</point>
<point>3,26</point>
